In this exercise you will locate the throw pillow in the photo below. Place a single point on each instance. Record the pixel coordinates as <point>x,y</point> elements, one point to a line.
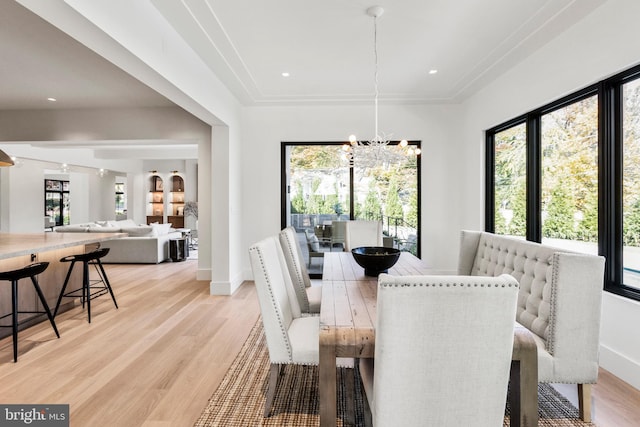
<point>315,244</point>
<point>125,223</point>
<point>140,231</point>
<point>161,229</point>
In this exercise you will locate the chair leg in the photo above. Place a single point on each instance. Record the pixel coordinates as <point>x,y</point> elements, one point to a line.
<point>584,402</point>
<point>14,318</point>
<point>86,288</point>
<point>103,276</point>
<point>274,373</point>
<point>350,395</point>
<point>64,286</point>
<point>44,304</point>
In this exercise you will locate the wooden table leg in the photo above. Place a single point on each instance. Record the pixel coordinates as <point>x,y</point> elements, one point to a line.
<point>523,390</point>
<point>327,383</point>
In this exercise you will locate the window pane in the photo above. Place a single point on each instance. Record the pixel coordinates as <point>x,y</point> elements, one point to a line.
<point>318,182</point>
<point>386,188</point>
<point>570,176</point>
<point>511,181</point>
<point>318,190</point>
<point>631,184</point>
<point>66,220</point>
<point>52,206</point>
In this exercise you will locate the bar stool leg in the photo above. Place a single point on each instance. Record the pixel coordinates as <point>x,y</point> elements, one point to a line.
<point>86,286</point>
<point>103,275</point>
<point>45,305</point>
<point>14,318</point>
<point>64,286</point>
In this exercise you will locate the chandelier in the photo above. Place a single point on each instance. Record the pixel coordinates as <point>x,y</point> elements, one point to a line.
<point>375,150</point>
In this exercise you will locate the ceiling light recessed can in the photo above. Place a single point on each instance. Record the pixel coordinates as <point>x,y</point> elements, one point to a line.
<point>433,71</point>
<point>51,99</point>
<point>285,74</point>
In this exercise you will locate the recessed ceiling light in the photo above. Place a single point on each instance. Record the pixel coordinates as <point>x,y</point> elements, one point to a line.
<point>285,74</point>
<point>51,99</point>
<point>433,71</point>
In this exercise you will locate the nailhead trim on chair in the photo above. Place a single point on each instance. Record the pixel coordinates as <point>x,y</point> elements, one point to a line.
<point>433,285</point>
<point>530,268</point>
<point>275,306</point>
<point>551,337</point>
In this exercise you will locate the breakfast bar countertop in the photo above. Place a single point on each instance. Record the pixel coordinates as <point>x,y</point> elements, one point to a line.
<point>17,244</point>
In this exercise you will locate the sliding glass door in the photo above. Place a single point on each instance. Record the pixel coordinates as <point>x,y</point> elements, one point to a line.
<point>321,183</point>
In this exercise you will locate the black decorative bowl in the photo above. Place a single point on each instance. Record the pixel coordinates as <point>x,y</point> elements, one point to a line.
<point>375,259</point>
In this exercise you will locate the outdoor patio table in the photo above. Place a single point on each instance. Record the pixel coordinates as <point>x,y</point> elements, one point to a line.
<point>347,329</point>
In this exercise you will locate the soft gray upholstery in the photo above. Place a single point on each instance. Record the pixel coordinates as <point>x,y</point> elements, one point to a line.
<point>139,250</point>
<point>363,233</point>
<point>338,233</point>
<point>291,338</point>
<point>145,244</point>
<point>443,350</point>
<point>308,297</point>
<point>559,300</point>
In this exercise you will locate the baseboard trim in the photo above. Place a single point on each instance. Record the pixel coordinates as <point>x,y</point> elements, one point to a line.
<point>224,288</point>
<point>621,366</point>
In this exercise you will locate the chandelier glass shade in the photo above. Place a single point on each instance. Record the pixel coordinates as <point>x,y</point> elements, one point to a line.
<point>376,150</point>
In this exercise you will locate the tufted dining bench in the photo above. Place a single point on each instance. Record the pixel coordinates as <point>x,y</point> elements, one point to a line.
<point>559,302</point>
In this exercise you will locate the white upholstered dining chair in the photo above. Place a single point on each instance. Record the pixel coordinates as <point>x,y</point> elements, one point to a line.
<point>308,296</point>
<point>443,350</point>
<point>363,233</point>
<point>291,337</point>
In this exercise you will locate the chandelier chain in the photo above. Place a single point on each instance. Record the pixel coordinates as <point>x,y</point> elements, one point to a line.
<point>374,151</point>
<point>375,74</point>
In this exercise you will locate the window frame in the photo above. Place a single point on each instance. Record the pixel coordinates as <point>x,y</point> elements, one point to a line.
<point>610,172</point>
<point>284,145</point>
<point>61,189</point>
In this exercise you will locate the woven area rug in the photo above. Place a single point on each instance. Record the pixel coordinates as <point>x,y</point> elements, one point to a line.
<point>239,400</point>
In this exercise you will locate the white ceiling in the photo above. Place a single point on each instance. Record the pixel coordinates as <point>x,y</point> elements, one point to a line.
<point>326,46</point>
<point>38,61</point>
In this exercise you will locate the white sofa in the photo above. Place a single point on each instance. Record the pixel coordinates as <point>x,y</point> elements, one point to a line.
<point>145,244</point>
<point>559,301</point>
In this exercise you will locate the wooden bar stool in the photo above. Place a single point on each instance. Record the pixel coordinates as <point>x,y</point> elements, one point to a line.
<point>14,276</point>
<point>90,288</point>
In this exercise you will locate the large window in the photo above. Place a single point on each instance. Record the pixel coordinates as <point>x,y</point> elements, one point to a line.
<point>511,181</point>
<point>121,199</point>
<point>631,184</point>
<point>321,184</point>
<point>581,182</point>
<point>56,201</point>
<point>569,198</point>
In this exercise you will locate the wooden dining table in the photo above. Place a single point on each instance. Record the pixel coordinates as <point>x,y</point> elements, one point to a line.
<point>347,329</point>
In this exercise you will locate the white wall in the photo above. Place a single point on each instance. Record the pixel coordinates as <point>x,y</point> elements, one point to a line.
<point>79,210</point>
<point>599,46</point>
<point>436,126</point>
<point>25,201</point>
<point>452,135</point>
<point>140,41</point>
<point>22,211</point>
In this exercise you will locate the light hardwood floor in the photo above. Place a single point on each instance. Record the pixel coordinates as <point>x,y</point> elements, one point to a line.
<point>156,361</point>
